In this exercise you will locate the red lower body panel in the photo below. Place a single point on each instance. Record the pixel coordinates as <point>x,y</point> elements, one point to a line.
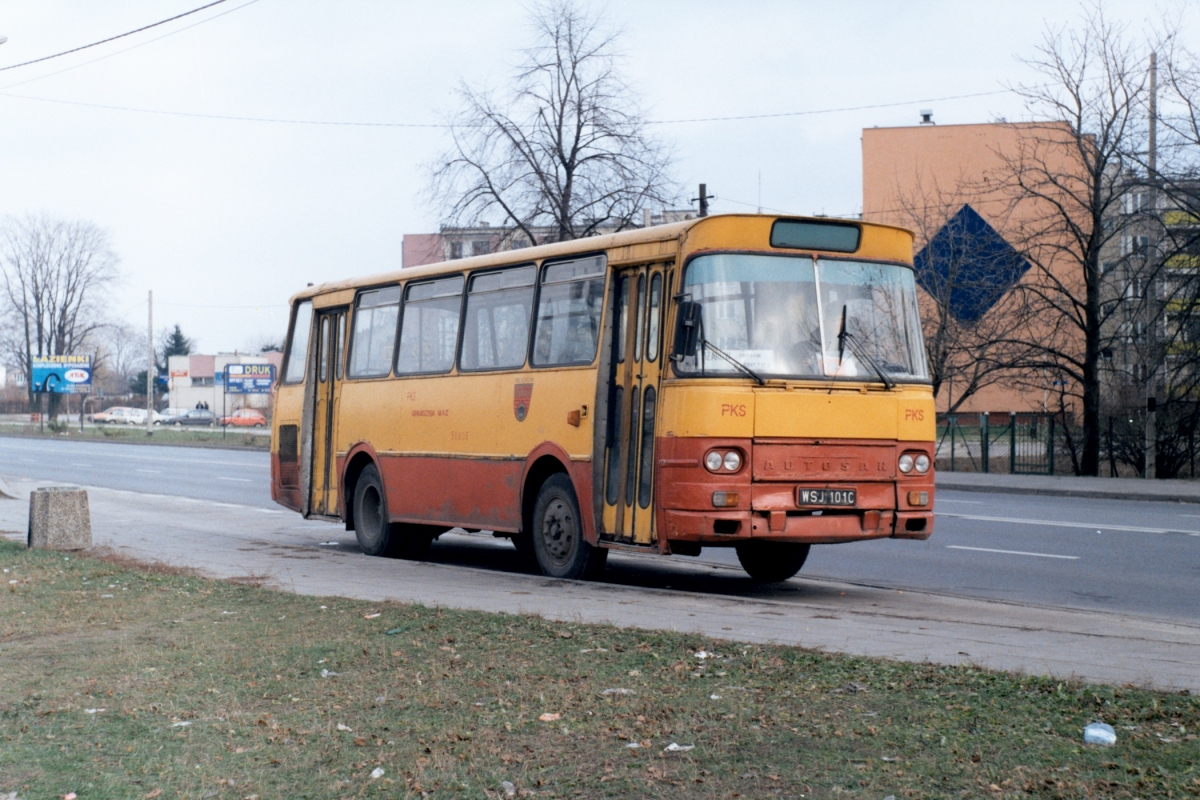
<point>466,492</point>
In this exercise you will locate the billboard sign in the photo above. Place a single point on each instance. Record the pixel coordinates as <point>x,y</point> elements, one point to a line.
<point>249,378</point>
<point>62,374</point>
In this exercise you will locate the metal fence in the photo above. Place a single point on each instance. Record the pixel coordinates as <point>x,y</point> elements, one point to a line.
<point>1016,443</point>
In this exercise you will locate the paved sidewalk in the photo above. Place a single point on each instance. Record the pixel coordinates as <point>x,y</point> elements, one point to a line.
<point>1171,491</point>
<point>478,572</point>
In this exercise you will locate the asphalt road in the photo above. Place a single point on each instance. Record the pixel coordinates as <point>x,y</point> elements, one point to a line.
<point>1112,555</point>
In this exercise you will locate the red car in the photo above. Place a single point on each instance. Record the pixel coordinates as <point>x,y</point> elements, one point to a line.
<point>245,418</point>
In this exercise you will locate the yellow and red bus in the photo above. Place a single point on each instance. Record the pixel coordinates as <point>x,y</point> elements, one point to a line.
<point>741,381</point>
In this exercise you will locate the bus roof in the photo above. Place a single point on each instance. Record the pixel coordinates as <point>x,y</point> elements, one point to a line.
<point>624,239</point>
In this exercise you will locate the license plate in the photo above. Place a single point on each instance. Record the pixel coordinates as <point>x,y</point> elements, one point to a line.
<point>826,497</point>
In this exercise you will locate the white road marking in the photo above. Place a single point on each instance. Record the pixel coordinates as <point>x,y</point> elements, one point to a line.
<point>79,464</point>
<point>1057,524</point>
<point>967,502</point>
<point>239,480</point>
<point>1010,552</point>
<point>150,471</point>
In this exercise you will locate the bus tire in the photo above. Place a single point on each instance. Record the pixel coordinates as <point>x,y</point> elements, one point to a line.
<point>772,562</point>
<point>557,532</point>
<point>371,526</point>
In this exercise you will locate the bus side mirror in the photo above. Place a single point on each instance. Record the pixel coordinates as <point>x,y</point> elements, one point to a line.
<point>687,330</point>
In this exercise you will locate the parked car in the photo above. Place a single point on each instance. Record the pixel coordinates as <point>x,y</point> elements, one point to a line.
<point>196,416</point>
<point>245,418</point>
<point>123,415</point>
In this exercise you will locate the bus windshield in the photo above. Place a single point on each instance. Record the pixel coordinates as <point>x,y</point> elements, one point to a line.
<point>796,317</point>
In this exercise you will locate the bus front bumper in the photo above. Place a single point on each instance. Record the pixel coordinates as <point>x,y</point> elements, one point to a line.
<point>807,527</point>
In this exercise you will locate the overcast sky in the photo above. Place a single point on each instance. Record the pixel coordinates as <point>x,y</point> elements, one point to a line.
<point>225,219</point>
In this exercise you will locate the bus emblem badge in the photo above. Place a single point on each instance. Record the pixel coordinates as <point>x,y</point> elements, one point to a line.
<point>522,395</point>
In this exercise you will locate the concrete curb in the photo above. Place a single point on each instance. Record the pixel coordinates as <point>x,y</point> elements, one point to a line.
<point>1047,486</point>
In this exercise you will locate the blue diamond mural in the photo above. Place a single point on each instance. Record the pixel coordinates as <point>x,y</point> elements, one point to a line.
<point>971,263</point>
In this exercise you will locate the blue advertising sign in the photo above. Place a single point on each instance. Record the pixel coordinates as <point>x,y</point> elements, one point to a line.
<point>249,378</point>
<point>62,374</point>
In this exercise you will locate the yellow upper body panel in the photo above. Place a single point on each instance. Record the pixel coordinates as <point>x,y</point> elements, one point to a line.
<point>742,410</point>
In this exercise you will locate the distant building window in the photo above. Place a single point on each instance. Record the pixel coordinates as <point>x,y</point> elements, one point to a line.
<point>456,249</point>
<point>202,381</point>
<point>479,247</point>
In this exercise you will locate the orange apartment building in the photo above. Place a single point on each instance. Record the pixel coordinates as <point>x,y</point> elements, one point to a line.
<point>931,178</point>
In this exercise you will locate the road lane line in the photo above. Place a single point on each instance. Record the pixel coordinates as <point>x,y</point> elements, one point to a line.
<point>150,471</point>
<point>967,502</point>
<point>1010,552</point>
<point>240,480</point>
<point>1055,524</point>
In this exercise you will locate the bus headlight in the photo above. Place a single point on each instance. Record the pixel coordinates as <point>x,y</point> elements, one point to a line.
<point>906,463</point>
<point>921,462</point>
<point>733,461</point>
<point>713,461</point>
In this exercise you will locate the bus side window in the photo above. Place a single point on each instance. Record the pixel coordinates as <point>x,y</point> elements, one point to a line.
<point>568,314</point>
<point>297,357</point>
<point>496,330</point>
<point>374,333</point>
<point>654,316</point>
<point>429,328</point>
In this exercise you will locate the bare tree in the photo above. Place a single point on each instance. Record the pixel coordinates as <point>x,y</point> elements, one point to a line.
<point>966,270</point>
<point>122,352</point>
<point>54,278</point>
<point>1065,180</point>
<point>564,147</point>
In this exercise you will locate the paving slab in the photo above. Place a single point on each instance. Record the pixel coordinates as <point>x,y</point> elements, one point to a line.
<point>1169,491</point>
<point>474,571</point>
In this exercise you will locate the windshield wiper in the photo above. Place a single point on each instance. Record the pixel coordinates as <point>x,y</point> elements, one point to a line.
<point>844,336</point>
<point>737,364</point>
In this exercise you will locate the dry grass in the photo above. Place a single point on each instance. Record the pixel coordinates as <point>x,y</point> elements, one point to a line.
<point>120,682</point>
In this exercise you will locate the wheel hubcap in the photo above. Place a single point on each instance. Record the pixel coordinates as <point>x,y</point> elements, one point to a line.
<point>370,513</point>
<point>558,531</point>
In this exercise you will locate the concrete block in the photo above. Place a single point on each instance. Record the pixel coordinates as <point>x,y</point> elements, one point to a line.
<point>59,519</point>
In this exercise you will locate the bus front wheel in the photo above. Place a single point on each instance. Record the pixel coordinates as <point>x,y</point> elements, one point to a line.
<point>557,533</point>
<point>772,562</point>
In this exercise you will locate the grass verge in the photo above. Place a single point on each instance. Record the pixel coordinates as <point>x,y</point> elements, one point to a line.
<point>129,434</point>
<point>118,681</point>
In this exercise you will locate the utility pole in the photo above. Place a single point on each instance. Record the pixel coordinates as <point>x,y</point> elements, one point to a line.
<point>704,198</point>
<point>150,365</point>
<point>1151,444</point>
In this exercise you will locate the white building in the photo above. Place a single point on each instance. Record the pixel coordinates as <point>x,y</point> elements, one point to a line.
<point>196,379</point>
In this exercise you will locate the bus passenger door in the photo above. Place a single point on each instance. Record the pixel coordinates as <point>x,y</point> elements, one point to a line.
<point>330,363</point>
<point>639,297</point>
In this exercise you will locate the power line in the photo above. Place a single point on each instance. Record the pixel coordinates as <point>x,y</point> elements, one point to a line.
<point>127,49</point>
<point>112,38</point>
<point>828,110</point>
<point>228,117</point>
<point>360,124</point>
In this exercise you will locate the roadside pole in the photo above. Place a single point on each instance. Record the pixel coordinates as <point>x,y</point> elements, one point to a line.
<point>150,364</point>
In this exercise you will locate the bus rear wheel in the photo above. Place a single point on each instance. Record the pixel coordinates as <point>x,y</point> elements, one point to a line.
<point>772,562</point>
<point>378,537</point>
<point>371,526</point>
<point>557,533</point>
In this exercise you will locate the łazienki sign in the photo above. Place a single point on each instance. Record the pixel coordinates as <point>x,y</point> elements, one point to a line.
<point>62,374</point>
